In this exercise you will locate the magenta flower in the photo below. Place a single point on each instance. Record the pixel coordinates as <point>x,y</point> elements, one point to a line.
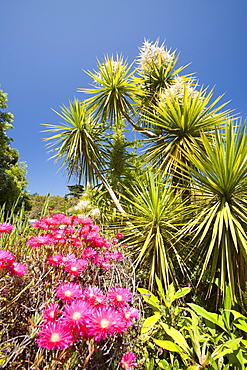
<point>104,321</point>
<point>68,291</point>
<point>6,228</point>
<point>84,221</point>
<point>75,268</point>
<point>116,256</point>
<point>94,296</point>
<point>55,335</point>
<point>51,312</point>
<point>119,296</point>
<point>119,235</point>
<point>51,222</point>
<point>76,314</point>
<point>6,258</point>
<point>77,242</point>
<point>129,313</point>
<point>55,260</point>
<point>114,240</point>
<point>40,224</point>
<point>69,258</point>
<point>127,360</point>
<point>88,253</point>
<point>37,241</point>
<point>17,269</point>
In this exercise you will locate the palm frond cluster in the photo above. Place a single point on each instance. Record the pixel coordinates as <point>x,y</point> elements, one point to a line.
<point>183,198</point>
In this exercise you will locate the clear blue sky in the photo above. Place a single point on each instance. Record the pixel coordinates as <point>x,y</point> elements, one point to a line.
<point>45,44</point>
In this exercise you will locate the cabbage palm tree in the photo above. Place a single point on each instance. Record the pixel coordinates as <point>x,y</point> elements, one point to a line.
<point>155,215</point>
<point>218,228</point>
<point>78,143</point>
<point>112,89</point>
<point>182,115</point>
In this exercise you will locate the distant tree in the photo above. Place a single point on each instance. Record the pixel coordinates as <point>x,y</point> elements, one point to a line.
<point>55,204</point>
<point>12,173</point>
<point>75,191</point>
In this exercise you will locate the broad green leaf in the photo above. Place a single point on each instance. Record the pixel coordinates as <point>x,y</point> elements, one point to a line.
<point>213,317</point>
<point>225,348</point>
<point>241,324</point>
<point>149,298</point>
<point>176,336</point>
<point>181,293</point>
<point>168,345</point>
<point>149,323</point>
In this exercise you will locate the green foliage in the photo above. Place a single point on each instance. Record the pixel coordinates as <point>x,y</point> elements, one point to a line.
<point>76,142</point>
<point>12,174</point>
<point>178,124</point>
<point>194,337</point>
<point>54,204</point>
<point>218,224</point>
<point>112,88</point>
<point>155,215</point>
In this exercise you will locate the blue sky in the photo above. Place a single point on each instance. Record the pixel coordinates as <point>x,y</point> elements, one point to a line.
<point>46,44</point>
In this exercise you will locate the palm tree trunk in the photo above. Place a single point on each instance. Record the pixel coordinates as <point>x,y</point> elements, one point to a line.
<point>109,189</point>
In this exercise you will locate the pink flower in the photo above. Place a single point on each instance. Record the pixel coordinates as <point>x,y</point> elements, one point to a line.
<point>129,313</point>
<point>84,221</point>
<point>55,260</point>
<point>69,258</point>
<point>58,236</point>
<point>51,312</point>
<point>117,256</point>
<point>51,222</point>
<point>6,258</point>
<point>119,235</point>
<point>104,321</point>
<point>37,241</point>
<point>76,314</point>
<point>119,296</point>
<point>68,291</point>
<point>98,259</point>
<point>40,224</point>
<point>18,269</point>
<point>88,253</point>
<point>127,360</point>
<point>77,242</point>
<point>55,335</point>
<point>94,296</point>
<point>75,268</point>
<point>105,265</point>
<point>6,228</point>
<point>114,240</point>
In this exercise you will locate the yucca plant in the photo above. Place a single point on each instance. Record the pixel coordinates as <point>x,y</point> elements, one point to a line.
<point>219,224</point>
<point>155,216</point>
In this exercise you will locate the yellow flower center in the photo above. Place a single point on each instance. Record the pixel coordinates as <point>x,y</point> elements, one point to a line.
<point>67,293</point>
<point>55,337</point>
<point>119,297</point>
<point>104,323</point>
<point>76,315</point>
